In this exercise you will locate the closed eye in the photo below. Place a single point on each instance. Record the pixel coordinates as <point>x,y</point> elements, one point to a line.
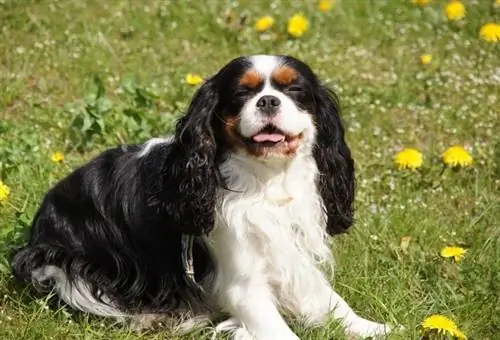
<point>241,93</point>
<point>294,88</point>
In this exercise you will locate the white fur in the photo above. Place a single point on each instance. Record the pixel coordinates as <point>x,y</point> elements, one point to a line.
<point>268,242</point>
<point>76,295</point>
<point>265,64</point>
<point>150,144</point>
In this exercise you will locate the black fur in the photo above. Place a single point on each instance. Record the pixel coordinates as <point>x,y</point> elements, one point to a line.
<point>190,171</point>
<point>336,182</point>
<point>116,223</point>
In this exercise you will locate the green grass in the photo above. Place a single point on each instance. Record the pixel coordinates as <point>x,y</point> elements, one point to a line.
<point>81,76</point>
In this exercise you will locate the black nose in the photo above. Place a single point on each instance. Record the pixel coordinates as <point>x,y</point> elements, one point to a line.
<point>268,104</point>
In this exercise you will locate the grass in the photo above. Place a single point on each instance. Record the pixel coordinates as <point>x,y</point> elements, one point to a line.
<point>81,76</point>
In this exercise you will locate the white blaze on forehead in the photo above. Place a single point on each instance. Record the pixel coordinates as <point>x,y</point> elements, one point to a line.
<point>265,64</point>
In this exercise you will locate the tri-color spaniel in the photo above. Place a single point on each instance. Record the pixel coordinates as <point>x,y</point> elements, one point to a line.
<point>231,214</point>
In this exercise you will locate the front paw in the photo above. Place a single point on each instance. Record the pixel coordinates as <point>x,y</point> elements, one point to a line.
<point>243,334</point>
<point>362,328</point>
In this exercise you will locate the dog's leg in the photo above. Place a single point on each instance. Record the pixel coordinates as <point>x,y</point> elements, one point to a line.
<point>316,299</point>
<point>354,324</point>
<point>252,305</point>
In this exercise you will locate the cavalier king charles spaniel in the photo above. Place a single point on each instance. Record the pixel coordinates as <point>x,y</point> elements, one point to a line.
<point>229,215</point>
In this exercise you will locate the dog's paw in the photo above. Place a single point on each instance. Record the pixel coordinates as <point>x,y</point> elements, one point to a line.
<point>232,325</point>
<point>362,328</point>
<point>239,332</point>
<point>243,334</point>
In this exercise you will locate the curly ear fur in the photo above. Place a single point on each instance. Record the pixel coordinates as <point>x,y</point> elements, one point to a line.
<point>336,181</point>
<point>193,177</point>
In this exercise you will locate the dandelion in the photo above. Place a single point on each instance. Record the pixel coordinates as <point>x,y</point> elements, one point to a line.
<point>490,32</point>
<point>409,158</point>
<point>4,191</point>
<point>442,325</point>
<point>57,157</point>
<point>455,10</point>
<point>193,79</point>
<point>421,3</point>
<point>456,252</point>
<point>264,23</point>
<point>298,25</point>
<point>425,59</point>
<point>460,335</point>
<point>326,5</point>
<point>457,156</point>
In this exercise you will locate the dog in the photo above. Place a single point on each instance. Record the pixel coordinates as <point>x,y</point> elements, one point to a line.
<point>232,213</point>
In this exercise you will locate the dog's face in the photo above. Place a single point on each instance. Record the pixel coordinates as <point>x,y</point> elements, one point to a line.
<point>265,108</point>
<point>267,105</point>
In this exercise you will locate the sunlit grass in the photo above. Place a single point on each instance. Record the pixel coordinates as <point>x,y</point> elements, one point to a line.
<point>78,77</point>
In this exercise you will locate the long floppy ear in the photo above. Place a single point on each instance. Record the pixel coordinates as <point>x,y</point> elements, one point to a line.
<point>336,181</point>
<point>192,177</point>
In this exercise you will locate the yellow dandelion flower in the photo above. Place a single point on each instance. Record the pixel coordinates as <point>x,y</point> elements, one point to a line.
<point>264,23</point>
<point>456,252</point>
<point>326,5</point>
<point>409,158</point>
<point>193,79</point>
<point>4,191</point>
<point>460,335</point>
<point>455,10</point>
<point>457,156</point>
<point>298,25</point>
<point>57,157</point>
<point>442,325</point>
<point>497,2</point>
<point>425,59</point>
<point>490,32</point>
<point>421,3</point>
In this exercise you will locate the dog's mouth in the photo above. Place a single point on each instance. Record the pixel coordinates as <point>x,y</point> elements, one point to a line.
<point>270,136</point>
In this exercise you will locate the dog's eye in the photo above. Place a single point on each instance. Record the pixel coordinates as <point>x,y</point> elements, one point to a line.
<point>241,93</point>
<point>295,88</point>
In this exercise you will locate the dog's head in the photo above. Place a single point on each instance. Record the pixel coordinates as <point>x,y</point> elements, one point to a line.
<point>269,107</point>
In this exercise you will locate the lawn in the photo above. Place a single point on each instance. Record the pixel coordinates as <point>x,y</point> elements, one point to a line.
<point>77,77</point>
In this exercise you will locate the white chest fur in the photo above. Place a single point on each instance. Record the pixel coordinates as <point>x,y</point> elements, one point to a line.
<point>270,226</point>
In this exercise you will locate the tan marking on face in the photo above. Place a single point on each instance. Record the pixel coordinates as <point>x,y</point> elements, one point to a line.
<point>233,137</point>
<point>251,79</point>
<point>284,75</point>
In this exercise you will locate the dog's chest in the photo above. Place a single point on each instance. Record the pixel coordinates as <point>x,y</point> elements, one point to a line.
<point>271,225</point>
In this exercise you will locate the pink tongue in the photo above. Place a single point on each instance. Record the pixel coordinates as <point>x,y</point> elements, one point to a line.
<point>268,137</point>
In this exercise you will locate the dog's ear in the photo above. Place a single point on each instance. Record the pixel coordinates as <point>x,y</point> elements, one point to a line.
<point>336,182</point>
<point>192,177</point>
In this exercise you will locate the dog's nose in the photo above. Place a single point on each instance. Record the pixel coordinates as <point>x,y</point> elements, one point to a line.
<point>268,104</point>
